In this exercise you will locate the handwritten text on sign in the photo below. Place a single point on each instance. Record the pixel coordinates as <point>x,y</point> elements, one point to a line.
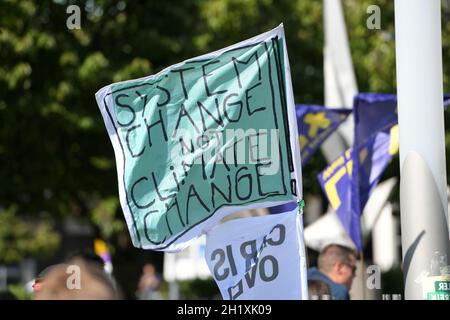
<point>203,135</point>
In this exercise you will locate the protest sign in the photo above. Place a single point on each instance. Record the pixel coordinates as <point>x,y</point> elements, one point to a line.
<point>259,257</point>
<point>202,139</point>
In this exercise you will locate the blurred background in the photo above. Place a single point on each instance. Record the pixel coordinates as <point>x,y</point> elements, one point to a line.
<point>58,181</point>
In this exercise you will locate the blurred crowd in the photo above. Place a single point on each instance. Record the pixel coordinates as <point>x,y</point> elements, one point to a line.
<point>83,276</point>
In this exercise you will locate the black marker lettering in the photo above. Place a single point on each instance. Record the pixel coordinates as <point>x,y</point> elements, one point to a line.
<point>235,64</point>
<point>180,71</point>
<point>208,93</point>
<point>126,106</point>
<point>160,123</point>
<point>127,139</point>
<point>248,97</point>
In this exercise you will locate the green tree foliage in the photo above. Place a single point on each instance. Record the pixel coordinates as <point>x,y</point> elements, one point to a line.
<point>56,157</point>
<point>21,237</point>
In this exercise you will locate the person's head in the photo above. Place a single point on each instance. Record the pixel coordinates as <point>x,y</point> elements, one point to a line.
<point>37,285</point>
<point>338,263</point>
<point>74,281</point>
<point>149,268</point>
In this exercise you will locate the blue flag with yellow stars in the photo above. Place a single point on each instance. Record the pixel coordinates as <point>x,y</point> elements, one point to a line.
<point>337,180</point>
<point>315,124</point>
<point>351,178</point>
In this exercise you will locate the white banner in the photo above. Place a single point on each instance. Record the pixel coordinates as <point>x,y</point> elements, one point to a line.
<point>259,258</point>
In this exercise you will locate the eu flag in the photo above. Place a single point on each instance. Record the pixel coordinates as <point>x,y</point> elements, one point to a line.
<point>315,124</point>
<point>350,179</point>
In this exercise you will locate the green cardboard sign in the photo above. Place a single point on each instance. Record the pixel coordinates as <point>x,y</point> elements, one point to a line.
<point>207,136</point>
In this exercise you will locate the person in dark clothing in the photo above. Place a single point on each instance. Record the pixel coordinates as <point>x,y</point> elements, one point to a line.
<point>336,267</point>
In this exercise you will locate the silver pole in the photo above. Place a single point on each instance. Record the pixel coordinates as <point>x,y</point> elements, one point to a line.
<point>174,290</point>
<point>339,77</point>
<point>423,192</point>
<point>3,278</point>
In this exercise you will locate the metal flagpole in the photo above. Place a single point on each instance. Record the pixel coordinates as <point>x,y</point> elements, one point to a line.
<point>423,192</point>
<point>339,77</point>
